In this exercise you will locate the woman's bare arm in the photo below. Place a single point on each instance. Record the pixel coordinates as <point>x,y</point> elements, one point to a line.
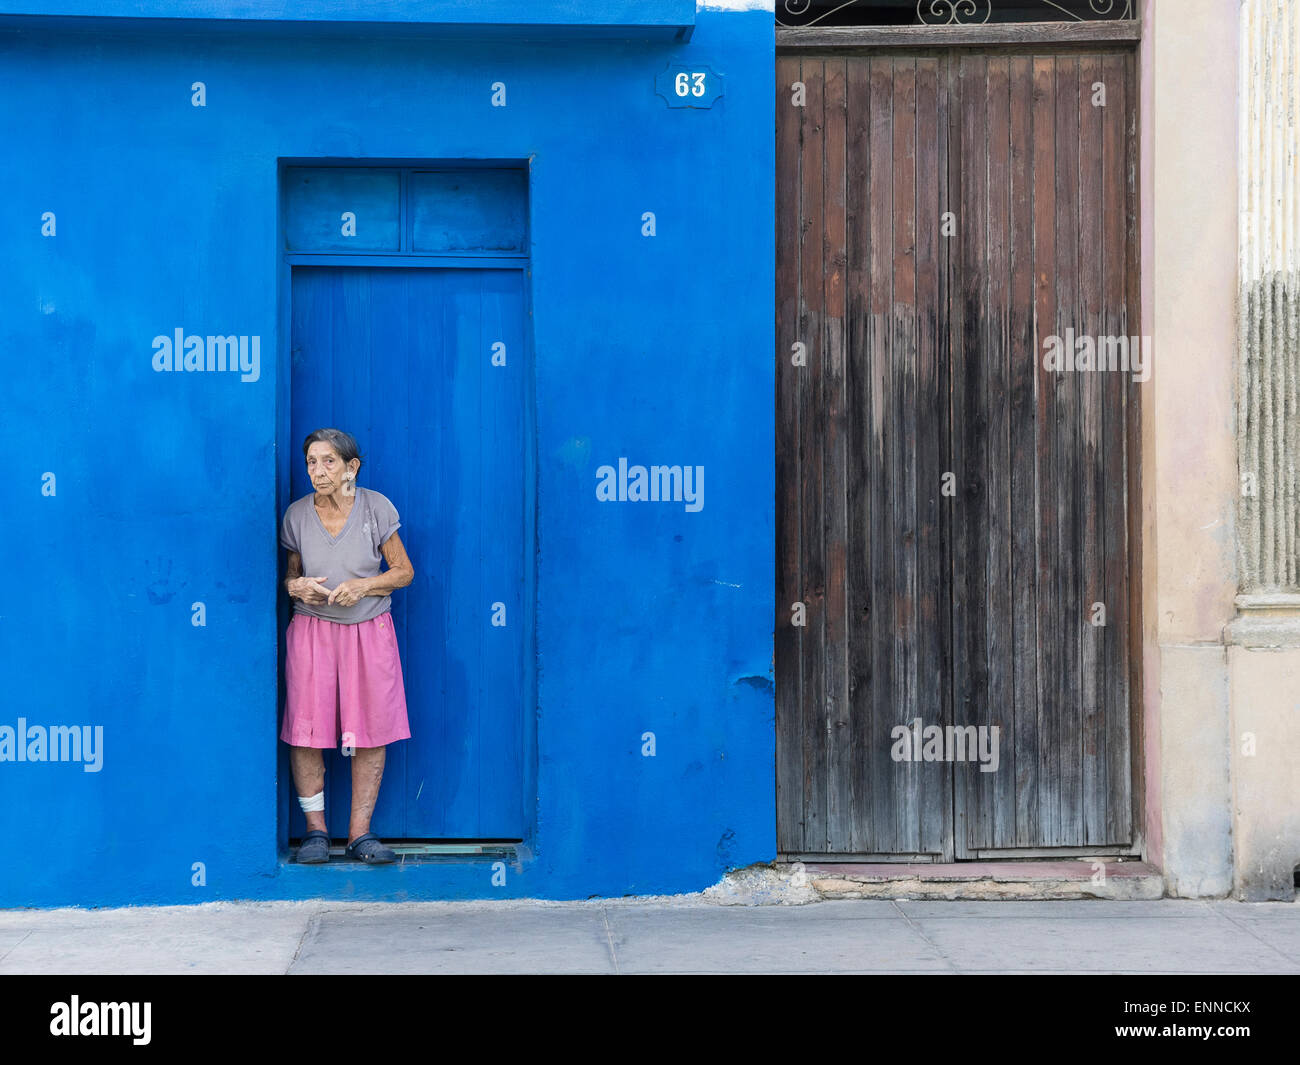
<point>300,587</point>
<point>400,572</point>
<point>292,569</point>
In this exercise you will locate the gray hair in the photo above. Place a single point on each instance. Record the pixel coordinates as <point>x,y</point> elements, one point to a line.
<point>344,443</point>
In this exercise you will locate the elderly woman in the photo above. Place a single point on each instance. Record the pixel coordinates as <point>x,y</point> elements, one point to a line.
<point>342,669</point>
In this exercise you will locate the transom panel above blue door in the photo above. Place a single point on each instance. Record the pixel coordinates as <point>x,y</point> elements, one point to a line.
<point>456,211</point>
<point>403,210</point>
<point>425,366</point>
<point>342,209</point>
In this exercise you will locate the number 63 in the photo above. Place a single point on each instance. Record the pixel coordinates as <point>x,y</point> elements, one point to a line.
<point>682,83</point>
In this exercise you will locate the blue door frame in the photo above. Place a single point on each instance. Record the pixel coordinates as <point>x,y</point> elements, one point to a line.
<point>448,433</point>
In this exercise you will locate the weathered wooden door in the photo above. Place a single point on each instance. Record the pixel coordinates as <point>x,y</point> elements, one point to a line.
<point>954,554</point>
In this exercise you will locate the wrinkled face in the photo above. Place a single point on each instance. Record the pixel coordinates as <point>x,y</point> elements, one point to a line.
<point>326,470</point>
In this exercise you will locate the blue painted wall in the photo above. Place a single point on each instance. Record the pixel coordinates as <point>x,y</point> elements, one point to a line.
<point>489,14</point>
<point>130,495</point>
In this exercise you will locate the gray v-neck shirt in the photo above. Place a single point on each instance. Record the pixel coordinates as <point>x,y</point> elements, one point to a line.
<point>353,553</point>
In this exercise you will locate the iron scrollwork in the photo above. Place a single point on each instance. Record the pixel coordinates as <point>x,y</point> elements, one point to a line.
<point>947,12</point>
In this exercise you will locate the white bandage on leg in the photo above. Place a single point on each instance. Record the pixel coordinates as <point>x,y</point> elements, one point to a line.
<point>316,802</point>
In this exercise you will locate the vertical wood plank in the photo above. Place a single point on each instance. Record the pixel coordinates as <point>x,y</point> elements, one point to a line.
<point>812,432</point>
<point>385,438</point>
<point>429,318</point>
<point>997,789</point>
<point>466,605</point>
<point>909,775</point>
<point>860,473</point>
<point>1131,591</point>
<point>1022,740</point>
<point>949,203</point>
<point>839,749</point>
<point>1113,687</point>
<point>789,747</point>
<point>1049,659</point>
<point>971,444</point>
<point>501,297</point>
<point>1067,546</point>
<point>932,603</point>
<point>1090,487</point>
<point>880,455</point>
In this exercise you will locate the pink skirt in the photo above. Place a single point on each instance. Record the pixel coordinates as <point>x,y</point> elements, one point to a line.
<point>344,684</point>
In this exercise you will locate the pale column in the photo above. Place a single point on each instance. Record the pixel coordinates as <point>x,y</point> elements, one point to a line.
<point>1264,640</point>
<point>1189,468</point>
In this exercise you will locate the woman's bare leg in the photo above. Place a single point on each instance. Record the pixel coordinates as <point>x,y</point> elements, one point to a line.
<point>367,772</point>
<point>309,778</point>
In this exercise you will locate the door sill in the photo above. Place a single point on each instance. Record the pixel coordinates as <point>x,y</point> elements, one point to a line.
<point>859,858</point>
<point>1080,878</point>
<point>421,852</point>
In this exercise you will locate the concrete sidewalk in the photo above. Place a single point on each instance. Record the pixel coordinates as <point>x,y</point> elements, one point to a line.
<point>673,934</point>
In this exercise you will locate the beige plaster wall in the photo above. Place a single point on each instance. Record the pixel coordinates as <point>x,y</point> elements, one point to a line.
<point>1265,688</point>
<point>1189,75</point>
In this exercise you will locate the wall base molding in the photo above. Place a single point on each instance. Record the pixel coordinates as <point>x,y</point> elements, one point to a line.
<point>1265,621</point>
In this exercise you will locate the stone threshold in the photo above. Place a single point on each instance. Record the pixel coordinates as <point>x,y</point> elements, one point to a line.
<point>986,880</point>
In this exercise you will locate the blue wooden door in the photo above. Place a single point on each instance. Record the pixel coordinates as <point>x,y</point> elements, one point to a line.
<point>403,358</point>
